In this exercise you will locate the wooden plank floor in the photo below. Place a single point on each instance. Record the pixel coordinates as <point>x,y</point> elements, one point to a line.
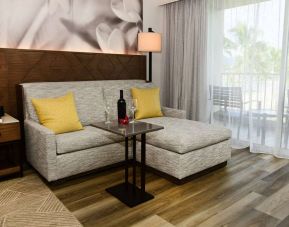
<point>253,190</point>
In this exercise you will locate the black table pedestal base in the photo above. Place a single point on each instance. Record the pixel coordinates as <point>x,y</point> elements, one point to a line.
<point>129,194</point>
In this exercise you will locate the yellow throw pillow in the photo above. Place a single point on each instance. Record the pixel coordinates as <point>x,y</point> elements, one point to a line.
<point>148,102</point>
<point>58,114</point>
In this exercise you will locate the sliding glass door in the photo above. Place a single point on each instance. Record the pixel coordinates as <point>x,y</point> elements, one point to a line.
<point>248,72</point>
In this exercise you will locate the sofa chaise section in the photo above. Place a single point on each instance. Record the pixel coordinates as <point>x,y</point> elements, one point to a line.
<point>186,147</point>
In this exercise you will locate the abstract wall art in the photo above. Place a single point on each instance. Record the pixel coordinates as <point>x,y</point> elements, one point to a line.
<point>109,26</point>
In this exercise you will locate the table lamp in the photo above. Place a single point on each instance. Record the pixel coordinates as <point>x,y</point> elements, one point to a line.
<point>150,42</point>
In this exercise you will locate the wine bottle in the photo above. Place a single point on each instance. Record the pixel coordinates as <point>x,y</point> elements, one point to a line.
<point>121,107</point>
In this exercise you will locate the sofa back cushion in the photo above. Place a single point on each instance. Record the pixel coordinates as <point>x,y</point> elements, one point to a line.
<point>88,97</point>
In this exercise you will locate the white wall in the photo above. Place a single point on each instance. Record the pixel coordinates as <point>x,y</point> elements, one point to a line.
<point>153,17</point>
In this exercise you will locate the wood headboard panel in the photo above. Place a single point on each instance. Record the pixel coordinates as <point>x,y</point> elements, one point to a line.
<point>20,66</point>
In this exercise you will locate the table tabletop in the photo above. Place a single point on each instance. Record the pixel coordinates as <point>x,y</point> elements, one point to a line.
<point>7,119</point>
<point>128,130</point>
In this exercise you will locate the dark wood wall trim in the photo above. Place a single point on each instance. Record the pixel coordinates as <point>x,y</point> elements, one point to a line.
<point>22,66</point>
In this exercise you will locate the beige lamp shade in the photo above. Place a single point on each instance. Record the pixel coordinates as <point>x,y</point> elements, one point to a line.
<point>149,42</point>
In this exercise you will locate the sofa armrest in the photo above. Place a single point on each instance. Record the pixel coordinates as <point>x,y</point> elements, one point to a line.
<point>170,112</point>
<point>39,128</point>
<point>41,149</point>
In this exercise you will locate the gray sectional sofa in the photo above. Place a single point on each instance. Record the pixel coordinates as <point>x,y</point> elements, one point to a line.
<point>182,149</point>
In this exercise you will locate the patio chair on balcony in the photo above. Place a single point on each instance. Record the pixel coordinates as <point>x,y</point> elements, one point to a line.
<point>230,103</point>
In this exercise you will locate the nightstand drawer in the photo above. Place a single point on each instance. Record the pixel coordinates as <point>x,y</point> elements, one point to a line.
<point>9,132</point>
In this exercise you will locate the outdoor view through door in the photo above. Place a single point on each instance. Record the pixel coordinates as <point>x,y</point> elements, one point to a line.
<point>248,72</point>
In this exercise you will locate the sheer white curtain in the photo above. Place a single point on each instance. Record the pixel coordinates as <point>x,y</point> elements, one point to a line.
<point>248,72</point>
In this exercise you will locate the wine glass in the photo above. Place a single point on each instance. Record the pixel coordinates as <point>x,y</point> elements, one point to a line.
<point>133,108</point>
<point>107,108</point>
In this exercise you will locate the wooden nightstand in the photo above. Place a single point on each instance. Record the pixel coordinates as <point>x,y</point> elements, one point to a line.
<point>10,152</point>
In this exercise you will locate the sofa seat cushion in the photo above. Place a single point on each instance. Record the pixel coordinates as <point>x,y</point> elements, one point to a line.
<point>88,138</point>
<point>182,136</point>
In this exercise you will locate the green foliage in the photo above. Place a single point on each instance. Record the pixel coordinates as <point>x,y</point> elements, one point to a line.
<point>250,54</point>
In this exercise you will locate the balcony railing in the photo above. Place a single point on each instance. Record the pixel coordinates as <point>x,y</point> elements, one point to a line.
<point>262,89</point>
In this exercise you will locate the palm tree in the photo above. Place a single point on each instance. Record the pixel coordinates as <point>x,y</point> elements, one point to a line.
<point>250,54</point>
